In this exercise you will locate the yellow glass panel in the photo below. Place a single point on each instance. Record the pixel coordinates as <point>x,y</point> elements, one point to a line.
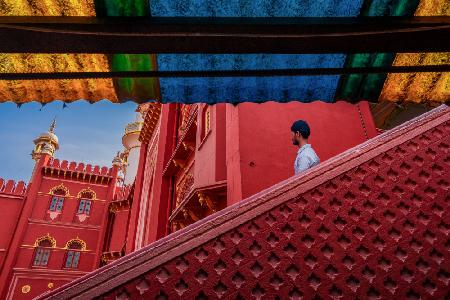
<point>420,87</point>
<point>47,90</point>
<point>47,8</point>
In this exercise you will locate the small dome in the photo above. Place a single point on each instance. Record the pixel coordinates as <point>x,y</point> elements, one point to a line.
<point>48,136</point>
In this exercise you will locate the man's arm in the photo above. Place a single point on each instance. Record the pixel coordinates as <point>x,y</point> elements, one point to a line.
<point>302,164</point>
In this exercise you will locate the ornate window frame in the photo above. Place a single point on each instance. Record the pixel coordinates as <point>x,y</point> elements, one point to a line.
<point>42,253</point>
<point>76,240</point>
<point>73,255</point>
<point>58,206</point>
<point>85,203</point>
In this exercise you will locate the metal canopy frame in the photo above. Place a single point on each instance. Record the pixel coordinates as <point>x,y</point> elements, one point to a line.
<point>137,35</point>
<point>226,73</point>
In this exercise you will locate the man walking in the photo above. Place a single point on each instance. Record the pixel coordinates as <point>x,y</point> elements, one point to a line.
<point>306,156</point>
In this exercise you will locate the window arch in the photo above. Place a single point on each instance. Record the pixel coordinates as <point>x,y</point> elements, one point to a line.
<point>59,190</point>
<point>87,193</point>
<point>74,248</point>
<point>43,246</point>
<point>85,203</point>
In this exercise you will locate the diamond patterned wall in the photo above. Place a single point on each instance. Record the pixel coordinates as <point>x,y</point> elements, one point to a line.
<point>378,230</point>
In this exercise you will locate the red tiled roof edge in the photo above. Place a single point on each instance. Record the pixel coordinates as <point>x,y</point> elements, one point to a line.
<point>148,258</point>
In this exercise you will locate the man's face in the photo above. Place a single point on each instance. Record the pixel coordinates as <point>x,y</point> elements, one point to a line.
<point>295,139</point>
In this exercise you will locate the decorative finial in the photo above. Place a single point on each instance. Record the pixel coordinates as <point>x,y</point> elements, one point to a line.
<point>117,160</point>
<point>53,125</point>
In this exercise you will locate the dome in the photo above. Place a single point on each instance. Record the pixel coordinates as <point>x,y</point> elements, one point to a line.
<point>48,136</point>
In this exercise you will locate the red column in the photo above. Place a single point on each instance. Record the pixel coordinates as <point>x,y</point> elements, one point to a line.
<point>159,195</point>
<point>134,211</point>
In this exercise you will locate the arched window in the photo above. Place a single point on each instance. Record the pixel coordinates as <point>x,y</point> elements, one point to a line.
<point>56,202</point>
<point>206,121</point>
<point>57,198</point>
<point>74,248</point>
<point>42,251</point>
<point>84,206</point>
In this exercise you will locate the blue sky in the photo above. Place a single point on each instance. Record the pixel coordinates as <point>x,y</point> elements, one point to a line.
<point>89,133</point>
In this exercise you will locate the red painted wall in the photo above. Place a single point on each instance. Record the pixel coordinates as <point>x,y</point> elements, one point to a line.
<point>260,139</point>
<point>11,200</point>
<point>119,230</point>
<point>157,206</point>
<point>250,146</point>
<point>210,152</point>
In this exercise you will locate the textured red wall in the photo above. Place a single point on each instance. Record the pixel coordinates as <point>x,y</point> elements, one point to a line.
<point>266,154</point>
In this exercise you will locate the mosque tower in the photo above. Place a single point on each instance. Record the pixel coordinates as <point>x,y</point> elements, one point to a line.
<point>130,156</point>
<point>46,143</point>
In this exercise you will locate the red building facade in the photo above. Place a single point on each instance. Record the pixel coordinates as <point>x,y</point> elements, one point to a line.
<point>370,223</point>
<point>196,165</point>
<point>198,159</point>
<point>53,230</point>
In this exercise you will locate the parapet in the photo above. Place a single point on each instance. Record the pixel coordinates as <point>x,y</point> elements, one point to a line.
<point>78,171</point>
<point>79,167</point>
<point>10,187</point>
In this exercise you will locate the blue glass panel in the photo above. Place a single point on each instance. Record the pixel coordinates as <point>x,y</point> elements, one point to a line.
<point>87,208</point>
<point>81,207</point>
<point>53,203</point>
<point>37,257</point>
<point>69,259</point>
<point>260,89</point>
<point>254,8</point>
<point>60,204</point>
<point>76,257</point>
<point>45,256</point>
<point>253,89</point>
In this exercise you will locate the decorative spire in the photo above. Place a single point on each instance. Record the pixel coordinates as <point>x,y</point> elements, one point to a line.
<point>117,161</point>
<point>52,126</point>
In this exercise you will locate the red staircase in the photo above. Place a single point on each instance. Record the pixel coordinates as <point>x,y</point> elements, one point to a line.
<point>371,223</point>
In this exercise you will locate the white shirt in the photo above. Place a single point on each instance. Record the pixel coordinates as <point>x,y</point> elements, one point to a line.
<point>306,158</point>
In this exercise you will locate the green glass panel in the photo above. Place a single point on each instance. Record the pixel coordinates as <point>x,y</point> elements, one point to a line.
<point>122,8</point>
<point>361,86</point>
<point>131,88</point>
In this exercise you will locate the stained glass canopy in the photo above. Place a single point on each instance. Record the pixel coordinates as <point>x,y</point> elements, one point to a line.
<point>219,74</point>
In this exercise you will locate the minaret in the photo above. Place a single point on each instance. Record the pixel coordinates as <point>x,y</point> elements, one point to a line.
<point>46,143</point>
<point>130,141</point>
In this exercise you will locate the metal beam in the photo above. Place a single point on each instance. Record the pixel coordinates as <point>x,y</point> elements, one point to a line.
<point>226,73</point>
<point>223,35</point>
